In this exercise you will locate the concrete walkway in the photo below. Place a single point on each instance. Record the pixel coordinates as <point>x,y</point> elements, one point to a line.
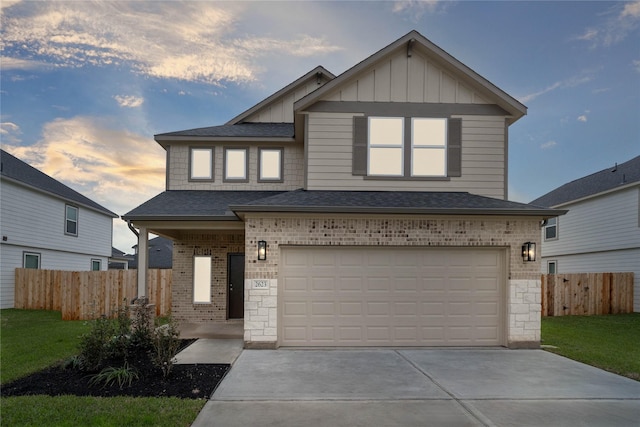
<point>416,387</point>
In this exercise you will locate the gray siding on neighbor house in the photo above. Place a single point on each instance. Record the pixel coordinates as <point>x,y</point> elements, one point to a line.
<point>403,78</point>
<point>329,158</point>
<point>178,168</point>
<point>35,222</point>
<point>599,234</point>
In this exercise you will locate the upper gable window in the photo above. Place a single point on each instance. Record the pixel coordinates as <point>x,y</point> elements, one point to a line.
<point>407,148</point>
<point>551,229</point>
<point>71,220</point>
<point>201,164</point>
<point>236,164</point>
<point>270,164</point>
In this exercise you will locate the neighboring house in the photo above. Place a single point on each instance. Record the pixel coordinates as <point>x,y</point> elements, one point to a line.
<point>119,260</point>
<point>45,224</point>
<point>160,254</point>
<point>601,232</point>
<point>367,209</point>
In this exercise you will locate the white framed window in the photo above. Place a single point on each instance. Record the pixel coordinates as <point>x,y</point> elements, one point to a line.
<point>270,164</point>
<point>201,164</point>
<point>386,146</point>
<point>428,147</point>
<point>551,229</point>
<point>71,220</point>
<point>96,265</point>
<point>236,164</point>
<point>552,267</point>
<point>201,279</point>
<point>30,260</point>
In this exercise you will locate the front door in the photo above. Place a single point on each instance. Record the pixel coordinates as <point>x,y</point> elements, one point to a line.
<point>235,289</point>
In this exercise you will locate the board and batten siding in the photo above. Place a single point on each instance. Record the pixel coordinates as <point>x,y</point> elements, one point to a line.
<point>35,222</point>
<point>601,234</point>
<point>329,158</point>
<point>178,169</point>
<point>281,109</point>
<point>402,78</point>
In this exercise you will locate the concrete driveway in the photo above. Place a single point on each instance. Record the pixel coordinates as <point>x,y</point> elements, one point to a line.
<point>419,387</point>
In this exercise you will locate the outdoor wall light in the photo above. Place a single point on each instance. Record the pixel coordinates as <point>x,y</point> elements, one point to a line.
<point>262,250</point>
<point>529,252</point>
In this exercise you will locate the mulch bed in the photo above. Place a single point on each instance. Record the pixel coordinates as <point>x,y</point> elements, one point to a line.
<point>197,381</point>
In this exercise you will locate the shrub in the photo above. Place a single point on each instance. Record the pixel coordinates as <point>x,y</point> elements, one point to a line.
<point>121,375</point>
<point>94,348</point>
<point>166,342</point>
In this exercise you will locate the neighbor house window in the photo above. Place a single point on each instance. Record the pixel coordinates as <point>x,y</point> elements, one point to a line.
<point>30,260</point>
<point>552,267</point>
<point>96,265</point>
<point>407,147</point>
<point>201,164</point>
<point>236,164</point>
<point>201,279</point>
<point>71,220</point>
<point>551,229</point>
<point>270,164</point>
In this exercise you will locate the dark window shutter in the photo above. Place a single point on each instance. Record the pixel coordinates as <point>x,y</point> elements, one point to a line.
<point>454,147</point>
<point>360,142</point>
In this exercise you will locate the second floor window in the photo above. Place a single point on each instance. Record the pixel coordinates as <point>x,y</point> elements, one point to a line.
<point>201,164</point>
<point>71,220</point>
<point>270,164</point>
<point>236,164</point>
<point>551,229</point>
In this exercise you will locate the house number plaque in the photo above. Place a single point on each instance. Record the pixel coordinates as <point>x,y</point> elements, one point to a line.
<point>260,283</point>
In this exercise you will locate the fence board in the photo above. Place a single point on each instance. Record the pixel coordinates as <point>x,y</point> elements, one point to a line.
<point>83,295</point>
<point>587,294</point>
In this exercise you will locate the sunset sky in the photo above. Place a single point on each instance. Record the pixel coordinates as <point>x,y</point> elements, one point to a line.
<point>86,85</point>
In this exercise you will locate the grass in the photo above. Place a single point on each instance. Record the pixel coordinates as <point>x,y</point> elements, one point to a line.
<point>609,342</point>
<point>31,340</point>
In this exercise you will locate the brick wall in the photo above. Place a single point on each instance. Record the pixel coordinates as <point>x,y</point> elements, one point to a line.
<point>523,278</point>
<point>217,245</point>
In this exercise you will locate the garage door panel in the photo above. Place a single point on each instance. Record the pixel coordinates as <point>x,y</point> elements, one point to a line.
<point>391,296</point>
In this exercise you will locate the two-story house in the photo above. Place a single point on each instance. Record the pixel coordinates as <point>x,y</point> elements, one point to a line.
<point>45,224</point>
<point>601,231</point>
<point>367,209</point>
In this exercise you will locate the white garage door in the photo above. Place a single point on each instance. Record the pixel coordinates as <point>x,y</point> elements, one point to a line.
<point>366,296</point>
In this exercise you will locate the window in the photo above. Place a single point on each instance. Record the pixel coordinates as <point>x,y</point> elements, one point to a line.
<point>31,260</point>
<point>201,164</point>
<point>407,148</point>
<point>201,279</point>
<point>71,220</point>
<point>552,267</point>
<point>551,229</point>
<point>236,164</point>
<point>270,164</point>
<point>96,265</point>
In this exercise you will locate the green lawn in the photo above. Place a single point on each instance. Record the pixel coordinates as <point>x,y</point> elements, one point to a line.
<point>31,340</point>
<point>608,342</point>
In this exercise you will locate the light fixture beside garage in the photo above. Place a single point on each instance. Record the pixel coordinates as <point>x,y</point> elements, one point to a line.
<point>529,252</point>
<point>262,250</point>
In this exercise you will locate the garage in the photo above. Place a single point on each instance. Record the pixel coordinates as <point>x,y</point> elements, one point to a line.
<point>391,296</point>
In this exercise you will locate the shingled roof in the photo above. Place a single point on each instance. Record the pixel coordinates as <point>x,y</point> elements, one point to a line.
<point>241,130</point>
<point>605,180</point>
<point>20,172</point>
<point>399,202</point>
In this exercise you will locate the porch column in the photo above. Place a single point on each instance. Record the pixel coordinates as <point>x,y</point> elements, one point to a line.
<point>143,261</point>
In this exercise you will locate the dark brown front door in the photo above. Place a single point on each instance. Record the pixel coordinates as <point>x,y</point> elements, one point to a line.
<point>236,286</point>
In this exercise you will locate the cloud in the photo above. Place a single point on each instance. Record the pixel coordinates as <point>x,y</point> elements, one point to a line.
<point>636,65</point>
<point>570,82</point>
<point>9,133</point>
<point>9,63</point>
<point>621,20</point>
<point>416,9</point>
<point>548,144</point>
<point>195,44</point>
<point>582,118</point>
<point>129,101</point>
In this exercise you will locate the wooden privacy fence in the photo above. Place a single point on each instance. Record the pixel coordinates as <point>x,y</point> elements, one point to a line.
<point>83,295</point>
<point>587,294</point>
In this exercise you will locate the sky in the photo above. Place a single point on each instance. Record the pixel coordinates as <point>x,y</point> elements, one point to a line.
<point>84,85</point>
